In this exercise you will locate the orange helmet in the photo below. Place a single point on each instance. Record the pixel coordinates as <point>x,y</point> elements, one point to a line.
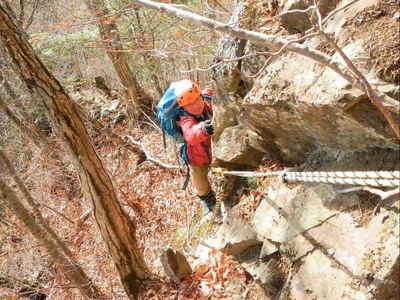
<point>187,92</point>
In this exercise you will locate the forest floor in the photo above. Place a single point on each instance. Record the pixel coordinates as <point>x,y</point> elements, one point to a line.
<point>164,214</point>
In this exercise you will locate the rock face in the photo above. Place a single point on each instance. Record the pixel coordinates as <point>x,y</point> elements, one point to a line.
<point>298,106</point>
<point>299,112</point>
<point>336,257</point>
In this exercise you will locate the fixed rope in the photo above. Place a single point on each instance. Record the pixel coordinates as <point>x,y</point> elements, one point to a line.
<point>366,178</point>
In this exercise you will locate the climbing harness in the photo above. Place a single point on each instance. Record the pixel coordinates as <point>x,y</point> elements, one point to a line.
<point>366,178</point>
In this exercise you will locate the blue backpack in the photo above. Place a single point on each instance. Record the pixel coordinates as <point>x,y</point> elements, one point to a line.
<point>168,114</point>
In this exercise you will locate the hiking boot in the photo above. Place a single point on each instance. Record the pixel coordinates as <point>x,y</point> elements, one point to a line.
<point>208,202</point>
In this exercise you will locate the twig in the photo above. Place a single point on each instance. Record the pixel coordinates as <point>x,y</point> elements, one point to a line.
<point>21,250</point>
<point>280,51</point>
<point>58,213</point>
<point>293,11</point>
<point>30,19</point>
<point>265,53</point>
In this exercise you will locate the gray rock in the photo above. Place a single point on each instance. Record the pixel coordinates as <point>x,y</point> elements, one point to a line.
<point>299,106</point>
<point>175,265</point>
<point>269,275</point>
<point>236,237</point>
<point>358,262</point>
<point>296,21</point>
<point>237,145</point>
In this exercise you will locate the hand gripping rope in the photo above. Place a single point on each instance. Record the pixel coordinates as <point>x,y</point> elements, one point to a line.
<point>365,178</point>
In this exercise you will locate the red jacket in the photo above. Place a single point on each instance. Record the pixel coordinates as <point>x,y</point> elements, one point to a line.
<point>197,140</point>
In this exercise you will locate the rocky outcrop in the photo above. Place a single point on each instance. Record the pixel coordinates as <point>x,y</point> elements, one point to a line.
<point>298,106</point>
<point>317,228</point>
<point>335,245</point>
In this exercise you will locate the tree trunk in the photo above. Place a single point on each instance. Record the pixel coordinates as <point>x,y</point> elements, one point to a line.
<point>117,230</point>
<point>112,43</point>
<point>40,230</point>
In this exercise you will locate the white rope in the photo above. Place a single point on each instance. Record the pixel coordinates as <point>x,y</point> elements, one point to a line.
<point>352,181</point>
<point>366,178</point>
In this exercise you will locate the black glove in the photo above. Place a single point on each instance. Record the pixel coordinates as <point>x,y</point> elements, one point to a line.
<point>208,128</point>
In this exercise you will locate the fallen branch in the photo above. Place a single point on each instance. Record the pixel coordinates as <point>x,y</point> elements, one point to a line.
<point>137,147</point>
<point>26,289</point>
<point>148,157</point>
<point>382,194</point>
<point>57,213</point>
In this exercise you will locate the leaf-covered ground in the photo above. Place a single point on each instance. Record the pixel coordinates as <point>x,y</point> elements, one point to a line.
<point>165,216</point>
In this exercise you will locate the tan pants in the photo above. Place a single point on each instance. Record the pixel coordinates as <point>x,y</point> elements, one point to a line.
<point>199,175</point>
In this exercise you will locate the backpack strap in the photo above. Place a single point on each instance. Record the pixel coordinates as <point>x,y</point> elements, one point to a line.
<point>183,154</point>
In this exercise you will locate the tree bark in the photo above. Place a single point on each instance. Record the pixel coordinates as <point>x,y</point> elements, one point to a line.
<point>41,231</point>
<point>112,42</point>
<point>117,230</point>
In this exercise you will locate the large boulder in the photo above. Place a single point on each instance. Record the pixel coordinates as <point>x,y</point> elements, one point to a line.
<point>299,105</point>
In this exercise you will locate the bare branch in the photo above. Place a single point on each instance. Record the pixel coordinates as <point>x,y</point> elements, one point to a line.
<point>20,19</point>
<point>294,11</point>
<point>30,19</point>
<point>266,53</point>
<point>365,85</point>
<point>57,213</point>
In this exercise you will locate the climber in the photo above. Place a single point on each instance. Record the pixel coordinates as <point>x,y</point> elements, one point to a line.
<point>195,123</point>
